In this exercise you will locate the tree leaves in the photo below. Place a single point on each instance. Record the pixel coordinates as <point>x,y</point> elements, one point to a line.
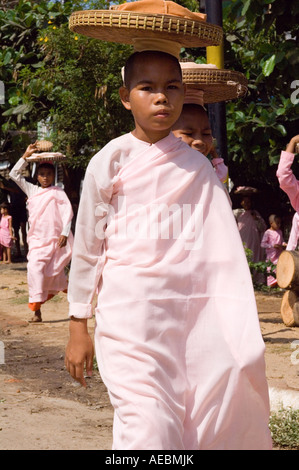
<point>260,125</point>
<point>269,65</point>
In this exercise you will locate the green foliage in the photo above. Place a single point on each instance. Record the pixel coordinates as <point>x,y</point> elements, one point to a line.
<point>51,73</point>
<point>262,42</point>
<point>263,267</point>
<point>86,111</point>
<point>284,427</point>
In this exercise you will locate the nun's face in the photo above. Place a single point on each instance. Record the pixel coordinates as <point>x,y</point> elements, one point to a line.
<point>45,177</point>
<point>246,203</point>
<point>193,127</point>
<point>156,96</point>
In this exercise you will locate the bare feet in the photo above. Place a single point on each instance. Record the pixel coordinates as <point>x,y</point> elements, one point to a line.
<point>37,316</point>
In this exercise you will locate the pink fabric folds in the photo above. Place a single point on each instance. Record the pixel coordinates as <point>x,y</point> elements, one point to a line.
<point>287,180</point>
<point>294,234</point>
<point>177,334</point>
<point>49,211</point>
<point>269,240</point>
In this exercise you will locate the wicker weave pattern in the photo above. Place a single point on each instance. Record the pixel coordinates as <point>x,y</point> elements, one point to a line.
<point>46,157</point>
<point>122,27</point>
<point>217,84</point>
<point>44,145</point>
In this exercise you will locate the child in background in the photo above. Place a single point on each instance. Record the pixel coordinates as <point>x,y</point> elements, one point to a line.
<point>49,237</point>
<point>6,235</point>
<point>273,243</point>
<point>177,338</point>
<point>193,126</point>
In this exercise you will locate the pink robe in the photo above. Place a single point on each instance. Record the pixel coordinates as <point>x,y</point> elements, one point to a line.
<point>251,227</point>
<point>294,234</point>
<point>287,180</point>
<point>5,236</point>
<point>271,238</point>
<point>49,211</point>
<point>177,334</point>
<point>221,169</point>
<point>50,215</point>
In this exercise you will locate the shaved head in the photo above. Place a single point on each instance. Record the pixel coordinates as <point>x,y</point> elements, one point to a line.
<point>136,60</point>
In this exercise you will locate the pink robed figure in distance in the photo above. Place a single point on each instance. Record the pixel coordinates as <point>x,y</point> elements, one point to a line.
<point>251,227</point>
<point>6,233</point>
<point>273,243</point>
<point>49,237</point>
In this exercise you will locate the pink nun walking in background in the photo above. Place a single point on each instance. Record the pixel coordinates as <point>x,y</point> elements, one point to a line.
<point>49,237</point>
<point>177,335</point>
<point>287,180</point>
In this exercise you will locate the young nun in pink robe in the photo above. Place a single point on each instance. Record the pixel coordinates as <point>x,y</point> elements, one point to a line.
<point>49,237</point>
<point>274,244</point>
<point>193,127</point>
<point>289,183</point>
<point>177,334</point>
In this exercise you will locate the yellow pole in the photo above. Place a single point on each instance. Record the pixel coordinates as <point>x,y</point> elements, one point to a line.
<point>215,55</point>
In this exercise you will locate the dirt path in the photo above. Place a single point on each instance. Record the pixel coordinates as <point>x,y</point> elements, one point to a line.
<point>42,408</point>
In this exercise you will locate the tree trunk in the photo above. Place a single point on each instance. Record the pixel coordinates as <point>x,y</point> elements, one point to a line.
<point>290,308</point>
<point>287,270</point>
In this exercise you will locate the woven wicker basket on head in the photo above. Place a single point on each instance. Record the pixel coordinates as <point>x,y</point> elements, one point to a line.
<point>246,191</point>
<point>46,157</point>
<point>44,145</point>
<point>217,84</point>
<point>125,26</point>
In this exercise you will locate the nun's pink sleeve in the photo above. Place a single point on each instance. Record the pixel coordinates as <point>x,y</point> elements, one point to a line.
<point>88,252</point>
<point>220,169</point>
<point>294,234</point>
<point>16,175</point>
<point>287,180</point>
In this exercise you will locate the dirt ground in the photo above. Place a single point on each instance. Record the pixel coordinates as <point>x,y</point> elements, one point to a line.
<point>42,408</point>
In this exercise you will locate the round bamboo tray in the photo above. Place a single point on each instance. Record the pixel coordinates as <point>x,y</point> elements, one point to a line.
<point>43,157</point>
<point>246,191</point>
<point>217,84</point>
<point>125,26</point>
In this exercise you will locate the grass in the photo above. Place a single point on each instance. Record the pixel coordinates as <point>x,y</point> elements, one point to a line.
<point>23,299</point>
<point>284,427</point>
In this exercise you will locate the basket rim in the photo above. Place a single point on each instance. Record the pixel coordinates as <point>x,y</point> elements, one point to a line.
<point>103,24</point>
<point>46,156</point>
<point>217,84</point>
<point>212,74</point>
